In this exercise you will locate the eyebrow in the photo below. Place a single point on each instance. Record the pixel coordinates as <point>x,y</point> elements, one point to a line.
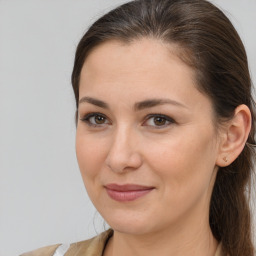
<point>156,102</point>
<point>94,101</point>
<point>149,103</point>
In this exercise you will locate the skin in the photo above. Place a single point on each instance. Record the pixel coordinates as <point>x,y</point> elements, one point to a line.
<point>178,157</point>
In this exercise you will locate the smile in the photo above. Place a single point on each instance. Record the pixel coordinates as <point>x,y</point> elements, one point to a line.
<point>128,192</point>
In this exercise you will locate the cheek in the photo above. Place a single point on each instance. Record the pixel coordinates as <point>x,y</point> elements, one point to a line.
<point>90,155</point>
<point>184,163</point>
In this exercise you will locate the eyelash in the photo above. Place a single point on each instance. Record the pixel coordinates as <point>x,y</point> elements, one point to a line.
<point>168,119</point>
<point>88,116</point>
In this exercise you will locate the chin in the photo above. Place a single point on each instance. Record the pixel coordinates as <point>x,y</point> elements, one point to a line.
<point>130,229</point>
<point>130,224</point>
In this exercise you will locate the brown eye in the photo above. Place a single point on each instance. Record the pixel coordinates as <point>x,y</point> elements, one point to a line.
<point>99,119</point>
<point>95,119</point>
<point>159,121</point>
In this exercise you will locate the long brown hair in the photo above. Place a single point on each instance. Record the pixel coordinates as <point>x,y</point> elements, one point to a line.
<point>209,44</point>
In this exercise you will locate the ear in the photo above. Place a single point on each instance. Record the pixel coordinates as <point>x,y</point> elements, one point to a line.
<point>234,136</point>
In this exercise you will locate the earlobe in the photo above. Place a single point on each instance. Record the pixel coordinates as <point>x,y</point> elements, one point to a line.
<point>235,136</point>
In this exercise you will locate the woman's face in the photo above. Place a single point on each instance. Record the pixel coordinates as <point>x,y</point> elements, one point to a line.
<point>146,144</point>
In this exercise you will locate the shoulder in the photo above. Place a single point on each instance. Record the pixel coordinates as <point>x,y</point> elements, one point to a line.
<point>93,246</point>
<point>45,251</point>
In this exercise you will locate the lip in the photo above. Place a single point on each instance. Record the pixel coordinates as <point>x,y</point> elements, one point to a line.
<point>127,192</point>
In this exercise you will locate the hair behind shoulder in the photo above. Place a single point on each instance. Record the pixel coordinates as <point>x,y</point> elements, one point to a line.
<point>208,43</point>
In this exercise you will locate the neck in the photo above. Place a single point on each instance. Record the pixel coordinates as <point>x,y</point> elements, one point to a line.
<point>181,240</point>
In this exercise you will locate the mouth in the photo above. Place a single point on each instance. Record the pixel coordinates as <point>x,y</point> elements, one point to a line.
<point>127,192</point>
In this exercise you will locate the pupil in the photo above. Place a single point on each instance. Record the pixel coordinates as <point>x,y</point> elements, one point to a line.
<point>159,121</point>
<point>99,119</point>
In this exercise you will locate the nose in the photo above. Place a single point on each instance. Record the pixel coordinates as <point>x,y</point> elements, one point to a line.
<point>123,154</point>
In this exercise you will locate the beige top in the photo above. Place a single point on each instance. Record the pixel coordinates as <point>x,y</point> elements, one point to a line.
<point>92,247</point>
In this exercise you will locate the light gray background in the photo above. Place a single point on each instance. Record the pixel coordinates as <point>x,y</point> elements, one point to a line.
<point>42,197</point>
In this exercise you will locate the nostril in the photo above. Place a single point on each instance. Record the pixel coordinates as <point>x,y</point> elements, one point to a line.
<point>122,163</point>
<point>124,153</point>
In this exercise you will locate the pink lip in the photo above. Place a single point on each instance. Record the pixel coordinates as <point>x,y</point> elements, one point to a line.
<point>127,192</point>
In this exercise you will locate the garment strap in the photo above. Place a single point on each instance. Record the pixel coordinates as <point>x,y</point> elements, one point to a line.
<point>61,250</point>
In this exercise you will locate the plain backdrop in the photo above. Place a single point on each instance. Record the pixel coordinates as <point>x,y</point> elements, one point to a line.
<point>42,197</point>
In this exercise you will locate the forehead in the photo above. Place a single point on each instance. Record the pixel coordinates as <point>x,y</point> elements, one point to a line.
<point>115,57</point>
<point>143,68</point>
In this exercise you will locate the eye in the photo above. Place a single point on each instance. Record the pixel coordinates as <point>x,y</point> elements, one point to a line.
<point>158,121</point>
<point>95,119</point>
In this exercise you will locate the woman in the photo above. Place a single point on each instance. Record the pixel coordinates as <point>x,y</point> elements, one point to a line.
<point>165,131</point>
